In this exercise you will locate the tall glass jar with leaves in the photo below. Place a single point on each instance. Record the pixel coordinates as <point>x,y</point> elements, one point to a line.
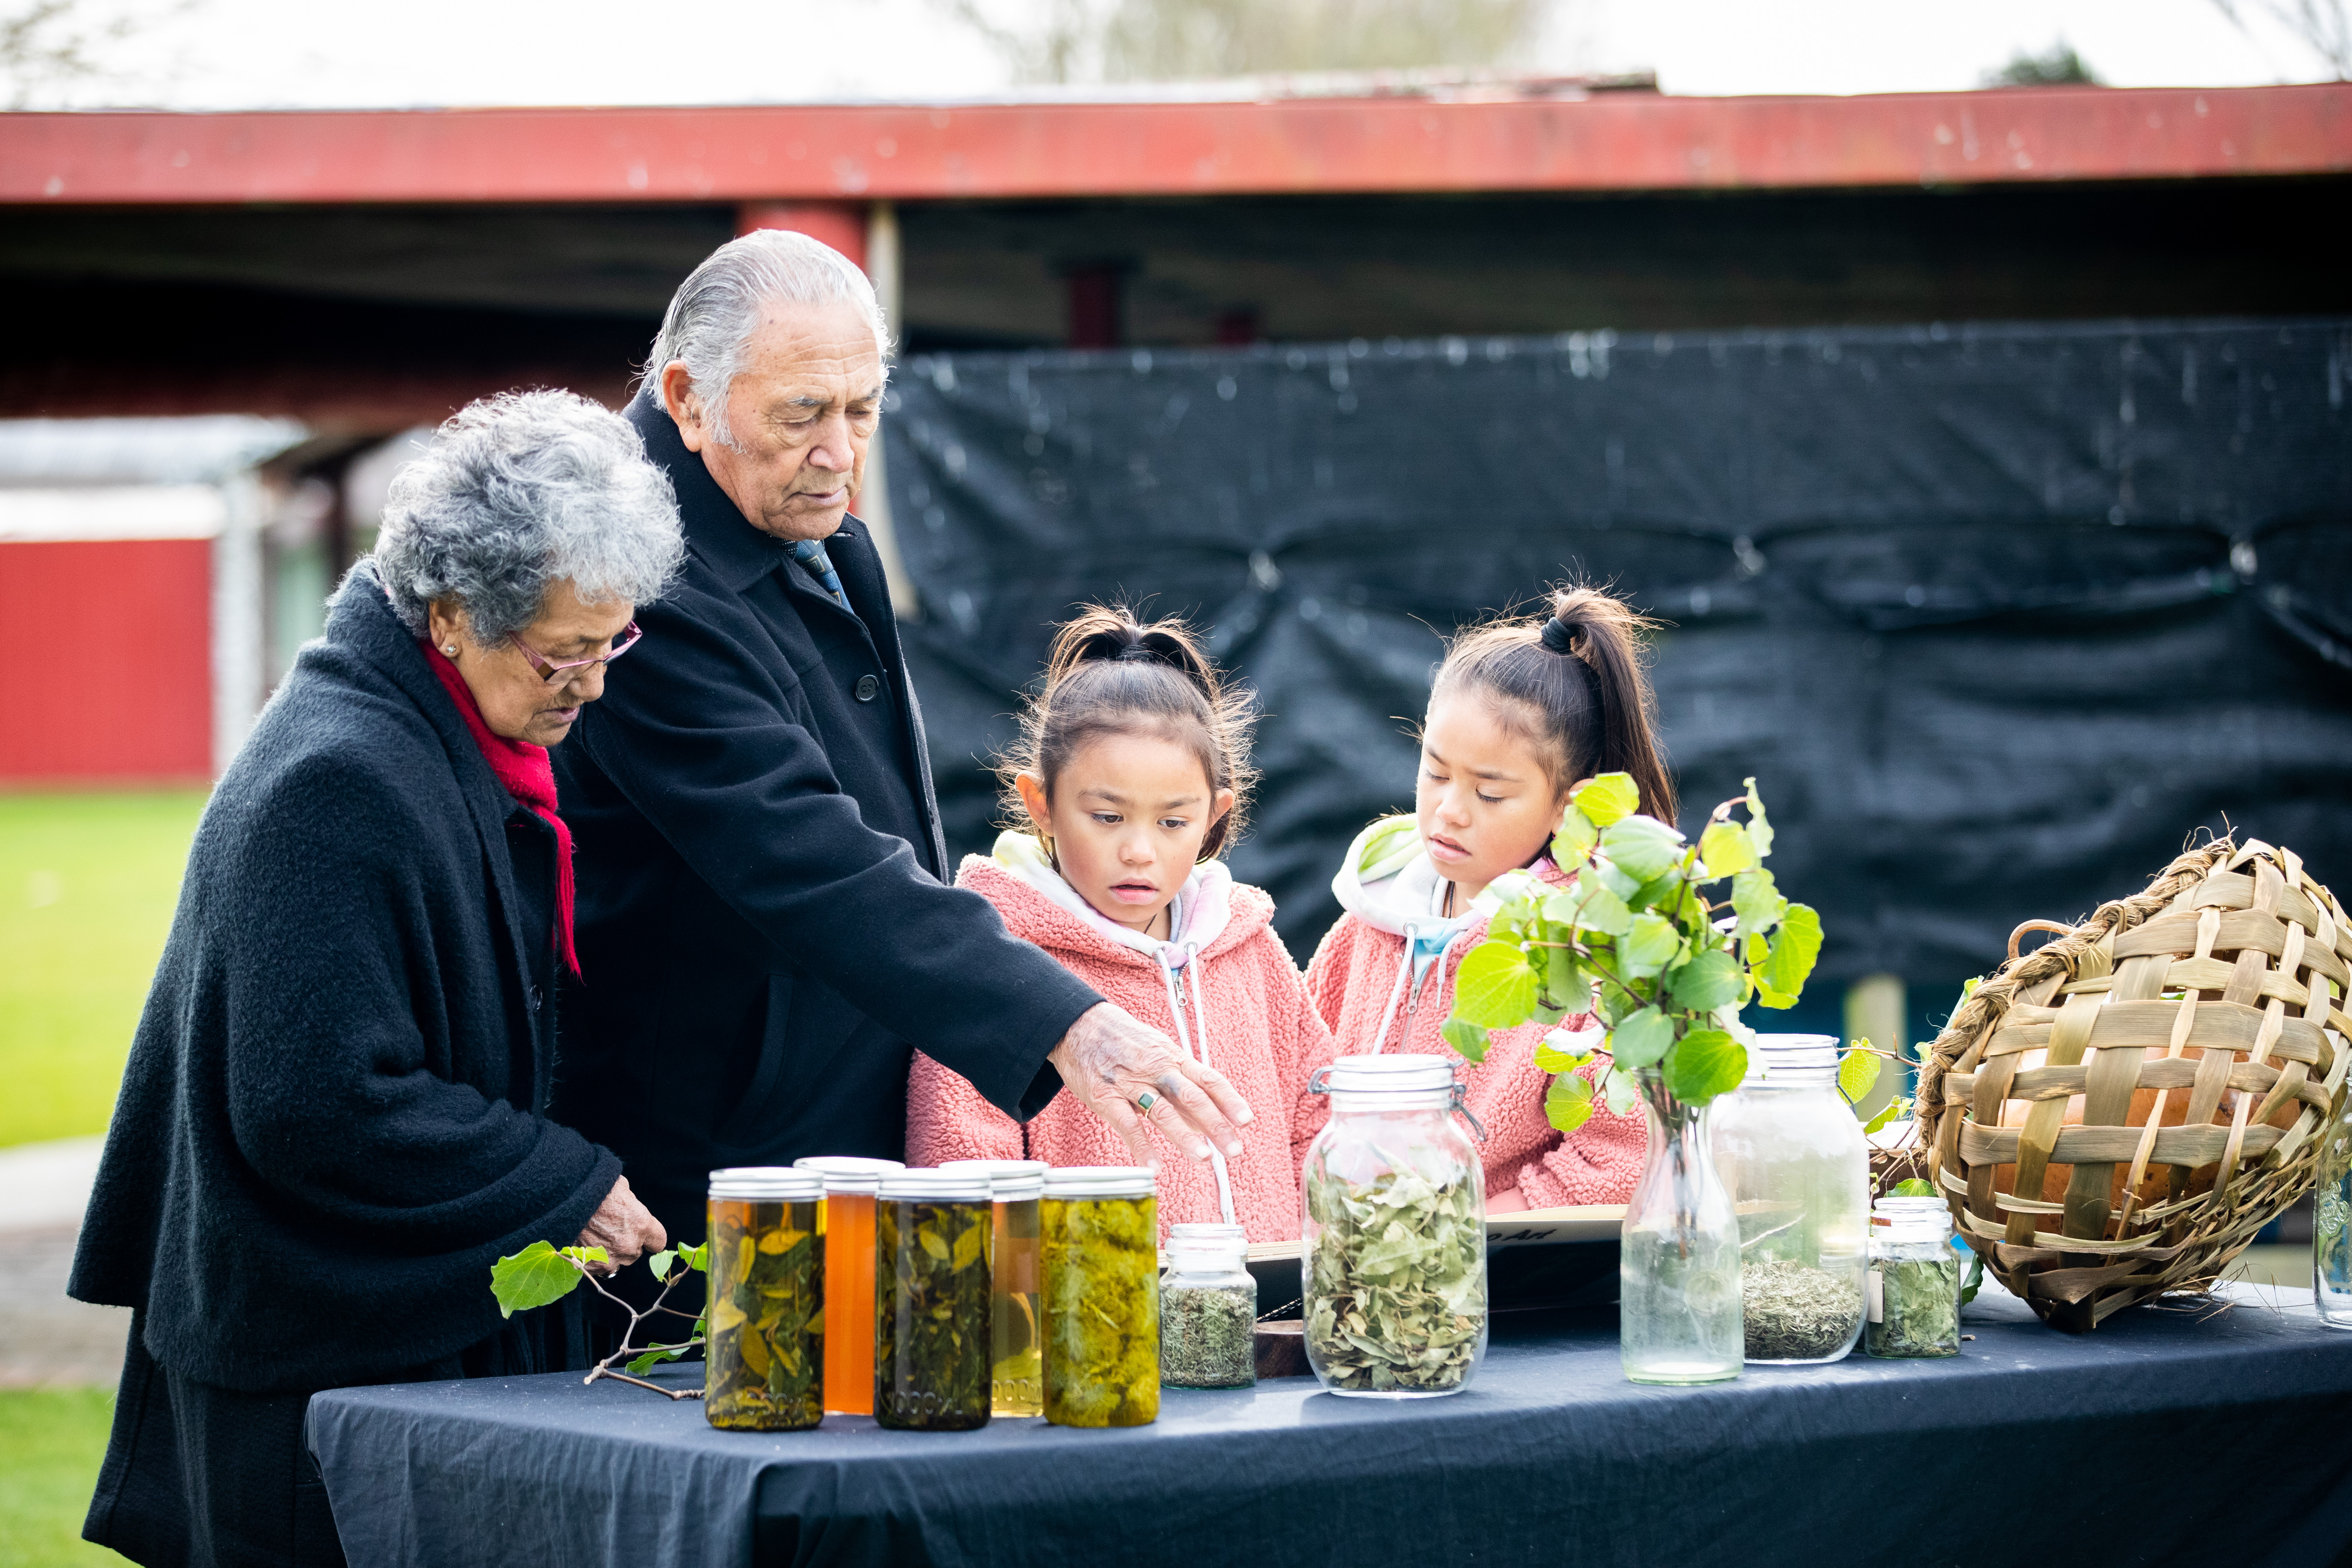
<point>1637,938</point>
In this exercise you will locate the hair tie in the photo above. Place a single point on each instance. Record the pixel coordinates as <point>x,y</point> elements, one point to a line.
<point>1557,637</point>
<point>1136,650</point>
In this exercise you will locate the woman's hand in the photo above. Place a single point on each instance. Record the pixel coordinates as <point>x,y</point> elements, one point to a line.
<point>1507,1203</point>
<point>1115,1065</point>
<point>623,1227</point>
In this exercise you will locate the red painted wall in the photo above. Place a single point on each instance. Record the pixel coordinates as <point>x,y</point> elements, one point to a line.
<point>107,651</point>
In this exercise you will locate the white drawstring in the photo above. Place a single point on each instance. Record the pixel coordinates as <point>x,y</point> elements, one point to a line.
<point>1196,1046</point>
<point>1405,972</point>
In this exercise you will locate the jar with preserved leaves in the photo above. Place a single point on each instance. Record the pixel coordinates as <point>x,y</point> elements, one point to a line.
<point>931,1324</point>
<point>1100,1226</point>
<point>1914,1289</point>
<point>1208,1309</point>
<point>1016,1374</point>
<point>763,1356</point>
<point>1394,1255</point>
<point>845,1219</point>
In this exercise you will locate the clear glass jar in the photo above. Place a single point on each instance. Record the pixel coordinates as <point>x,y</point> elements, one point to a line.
<point>845,1220</point>
<point>1792,1152</point>
<point>1393,1266</point>
<point>931,1330</point>
<point>1100,1228</point>
<point>763,1356</point>
<point>1208,1309</point>
<point>1913,1293</point>
<point>1678,1258</point>
<point>2331,1222</point>
<point>1016,1376</point>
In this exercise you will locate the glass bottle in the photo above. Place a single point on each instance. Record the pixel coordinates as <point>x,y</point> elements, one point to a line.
<point>1792,1152</point>
<point>1208,1309</point>
<point>1913,1290</point>
<point>847,1220</point>
<point>1385,1319</point>
<point>931,1324</point>
<point>1016,1359</point>
<point>763,1368</point>
<point>2331,1223</point>
<point>1100,1229</point>
<point>1678,1262</point>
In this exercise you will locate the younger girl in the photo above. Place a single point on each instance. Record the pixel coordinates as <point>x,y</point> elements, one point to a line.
<point>1520,714</point>
<point>1131,774</point>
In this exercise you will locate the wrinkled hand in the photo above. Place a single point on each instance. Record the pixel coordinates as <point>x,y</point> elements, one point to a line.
<point>1108,1059</point>
<point>623,1227</point>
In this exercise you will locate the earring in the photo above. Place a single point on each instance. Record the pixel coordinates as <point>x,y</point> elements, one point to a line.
<point>449,649</point>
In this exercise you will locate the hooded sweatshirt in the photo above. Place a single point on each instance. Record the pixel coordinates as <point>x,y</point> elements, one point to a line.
<point>1224,988</point>
<point>1383,980</point>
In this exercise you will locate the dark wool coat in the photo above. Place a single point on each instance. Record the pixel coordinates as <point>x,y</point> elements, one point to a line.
<point>332,1121</point>
<point>761,921</point>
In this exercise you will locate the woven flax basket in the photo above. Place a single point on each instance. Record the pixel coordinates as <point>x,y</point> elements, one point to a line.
<point>2114,1115</point>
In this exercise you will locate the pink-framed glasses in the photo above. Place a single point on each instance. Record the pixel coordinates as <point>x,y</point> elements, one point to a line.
<point>556,674</point>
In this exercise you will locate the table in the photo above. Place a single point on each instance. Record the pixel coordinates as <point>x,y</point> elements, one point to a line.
<point>2214,1432</point>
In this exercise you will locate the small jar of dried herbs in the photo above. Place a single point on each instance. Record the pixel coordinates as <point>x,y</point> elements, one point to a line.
<point>1208,1309</point>
<point>933,1322</point>
<point>1913,1286</point>
<point>763,1356</point>
<point>1100,1229</point>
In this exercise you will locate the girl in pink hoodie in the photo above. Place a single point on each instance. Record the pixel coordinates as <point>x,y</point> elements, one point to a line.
<point>1521,713</point>
<point>1131,774</point>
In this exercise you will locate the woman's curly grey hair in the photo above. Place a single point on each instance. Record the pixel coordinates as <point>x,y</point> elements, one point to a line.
<point>517,492</point>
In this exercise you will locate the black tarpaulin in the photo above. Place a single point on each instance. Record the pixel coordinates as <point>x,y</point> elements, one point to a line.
<point>1995,615</point>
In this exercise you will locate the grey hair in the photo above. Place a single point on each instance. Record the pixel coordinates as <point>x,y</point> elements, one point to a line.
<point>712,316</point>
<point>518,491</point>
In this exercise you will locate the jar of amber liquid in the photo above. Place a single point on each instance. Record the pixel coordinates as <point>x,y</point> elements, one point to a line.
<point>763,1368</point>
<point>1100,1229</point>
<point>932,1285</point>
<point>1016,1375</point>
<point>845,1218</point>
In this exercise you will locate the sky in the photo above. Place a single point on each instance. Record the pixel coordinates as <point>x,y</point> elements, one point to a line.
<point>240,54</point>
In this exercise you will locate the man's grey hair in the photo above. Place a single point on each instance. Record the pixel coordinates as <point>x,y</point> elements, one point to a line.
<point>712,316</point>
<point>518,491</point>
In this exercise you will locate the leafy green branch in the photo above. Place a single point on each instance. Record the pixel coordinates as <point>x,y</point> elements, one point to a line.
<point>543,1273</point>
<point>1635,938</point>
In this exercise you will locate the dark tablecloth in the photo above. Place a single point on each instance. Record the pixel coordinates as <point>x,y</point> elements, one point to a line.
<point>2214,1433</point>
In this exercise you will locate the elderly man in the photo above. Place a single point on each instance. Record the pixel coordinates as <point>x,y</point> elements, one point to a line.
<point>765,925</point>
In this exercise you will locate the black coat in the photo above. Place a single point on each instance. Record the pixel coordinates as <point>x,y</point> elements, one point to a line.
<point>332,1119</point>
<point>763,924</point>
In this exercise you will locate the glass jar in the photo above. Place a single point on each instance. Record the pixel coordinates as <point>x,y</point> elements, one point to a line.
<point>845,1219</point>
<point>1100,1228</point>
<point>1914,1287</point>
<point>1792,1152</point>
<point>931,1324</point>
<point>2331,1221</point>
<point>1016,1376</point>
<point>1208,1309</point>
<point>1678,1254</point>
<point>1393,1264</point>
<point>762,1366</point>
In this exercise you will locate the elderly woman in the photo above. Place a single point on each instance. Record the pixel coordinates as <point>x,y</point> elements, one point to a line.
<point>333,1118</point>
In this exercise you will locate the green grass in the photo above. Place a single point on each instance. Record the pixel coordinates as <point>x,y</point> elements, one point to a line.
<point>51,1440</point>
<point>87,886</point>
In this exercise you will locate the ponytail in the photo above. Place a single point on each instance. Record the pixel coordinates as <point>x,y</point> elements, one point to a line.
<point>1576,682</point>
<point>1108,674</point>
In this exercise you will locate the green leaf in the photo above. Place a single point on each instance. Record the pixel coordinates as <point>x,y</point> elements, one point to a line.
<point>1496,986</point>
<point>1608,798</point>
<point>1759,827</point>
<point>1642,847</point>
<point>1707,982</point>
<point>1575,840</point>
<point>1857,1072</point>
<point>1758,901</point>
<point>1704,1064</point>
<point>1466,1037</point>
<point>1726,849</point>
<point>696,1257</point>
<point>533,1278</point>
<point>1551,1058</point>
<point>659,1263</point>
<point>968,1246</point>
<point>585,1254</point>
<point>1598,909</point>
<point>640,1365</point>
<point>1895,1109</point>
<point>1794,947</point>
<point>1642,1039</point>
<point>1914,1188</point>
<point>1652,944</point>
<point>1568,1103</point>
<point>1621,1093</point>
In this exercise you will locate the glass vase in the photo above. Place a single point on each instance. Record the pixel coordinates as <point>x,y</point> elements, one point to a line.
<point>1678,1293</point>
<point>2331,1223</point>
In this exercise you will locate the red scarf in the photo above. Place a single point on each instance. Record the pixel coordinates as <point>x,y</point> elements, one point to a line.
<point>528,776</point>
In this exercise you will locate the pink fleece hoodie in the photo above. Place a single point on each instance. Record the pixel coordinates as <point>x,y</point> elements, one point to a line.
<point>1263,1036</point>
<point>1352,978</point>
